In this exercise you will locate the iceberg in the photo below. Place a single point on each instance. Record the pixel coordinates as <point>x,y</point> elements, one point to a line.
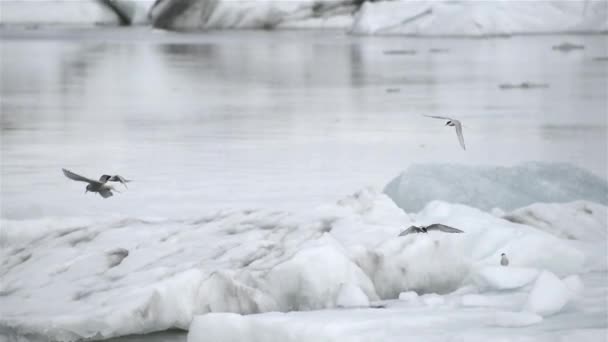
<point>488,187</point>
<point>95,279</point>
<point>402,17</point>
<point>85,12</point>
<point>225,14</point>
<point>428,18</point>
<point>479,18</point>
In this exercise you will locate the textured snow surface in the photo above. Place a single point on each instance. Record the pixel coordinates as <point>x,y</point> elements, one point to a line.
<point>72,279</point>
<point>579,220</point>
<point>507,188</point>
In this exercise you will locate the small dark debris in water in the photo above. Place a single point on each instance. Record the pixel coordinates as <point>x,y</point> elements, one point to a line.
<point>378,306</point>
<point>439,50</point>
<point>566,47</point>
<point>399,52</point>
<point>393,90</point>
<point>601,59</point>
<point>523,85</point>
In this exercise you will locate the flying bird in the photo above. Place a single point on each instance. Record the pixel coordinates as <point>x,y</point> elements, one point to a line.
<point>115,178</point>
<point>503,260</point>
<point>426,229</point>
<point>454,123</point>
<point>101,186</point>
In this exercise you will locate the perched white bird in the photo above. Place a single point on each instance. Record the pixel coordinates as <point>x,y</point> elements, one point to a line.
<point>101,186</point>
<point>503,260</point>
<point>454,123</point>
<point>435,226</point>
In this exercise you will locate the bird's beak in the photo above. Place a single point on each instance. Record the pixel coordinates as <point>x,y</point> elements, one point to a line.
<point>446,123</point>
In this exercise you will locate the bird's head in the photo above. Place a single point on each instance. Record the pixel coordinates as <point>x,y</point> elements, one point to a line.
<point>449,123</point>
<point>503,254</point>
<point>89,188</point>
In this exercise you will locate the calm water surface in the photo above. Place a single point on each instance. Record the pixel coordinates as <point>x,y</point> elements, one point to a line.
<point>286,120</point>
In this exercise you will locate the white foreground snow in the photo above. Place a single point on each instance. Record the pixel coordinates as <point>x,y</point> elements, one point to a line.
<point>548,296</point>
<point>76,279</point>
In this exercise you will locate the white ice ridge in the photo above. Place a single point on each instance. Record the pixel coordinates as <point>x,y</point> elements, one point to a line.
<point>563,219</point>
<point>76,279</point>
<point>459,316</point>
<point>507,188</point>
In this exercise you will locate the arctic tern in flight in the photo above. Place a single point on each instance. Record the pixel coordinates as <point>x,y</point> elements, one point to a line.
<point>101,186</point>
<point>454,123</point>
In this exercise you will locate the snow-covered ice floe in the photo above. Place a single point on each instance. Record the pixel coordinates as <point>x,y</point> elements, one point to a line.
<point>78,278</point>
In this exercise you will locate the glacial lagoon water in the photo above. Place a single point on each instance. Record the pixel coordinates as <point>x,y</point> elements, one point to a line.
<point>286,120</point>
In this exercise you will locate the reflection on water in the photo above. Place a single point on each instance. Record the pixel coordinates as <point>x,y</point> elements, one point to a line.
<point>283,120</point>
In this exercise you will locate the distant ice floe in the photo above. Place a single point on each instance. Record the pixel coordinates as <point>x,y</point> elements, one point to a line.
<point>84,278</point>
<point>488,187</point>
